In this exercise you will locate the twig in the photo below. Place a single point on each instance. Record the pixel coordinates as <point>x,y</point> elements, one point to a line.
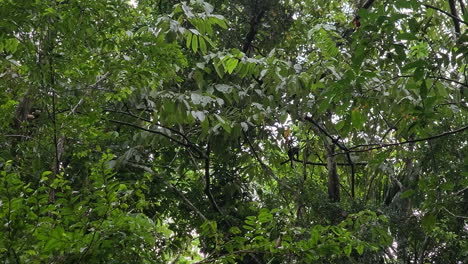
<point>459,191</point>
<point>462,7</point>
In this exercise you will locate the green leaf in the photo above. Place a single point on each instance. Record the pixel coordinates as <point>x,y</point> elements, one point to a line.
<point>219,20</point>
<point>199,115</point>
<point>217,65</point>
<point>360,249</point>
<point>225,125</point>
<point>194,43</point>
<point>407,194</point>
<point>357,118</point>
<point>188,40</point>
<point>11,45</point>
<point>347,250</point>
<point>231,64</point>
<point>429,221</point>
<point>234,230</point>
<point>265,216</point>
<point>202,44</point>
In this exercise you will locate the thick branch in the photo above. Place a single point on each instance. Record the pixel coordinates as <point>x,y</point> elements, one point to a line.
<point>254,24</point>
<point>453,10</point>
<point>368,4</point>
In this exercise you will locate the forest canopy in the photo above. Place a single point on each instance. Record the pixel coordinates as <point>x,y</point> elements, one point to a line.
<point>233,131</point>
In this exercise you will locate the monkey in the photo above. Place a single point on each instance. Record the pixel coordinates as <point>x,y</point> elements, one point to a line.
<point>293,152</point>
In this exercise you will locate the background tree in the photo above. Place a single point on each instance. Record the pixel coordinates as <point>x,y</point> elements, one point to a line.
<point>233,131</point>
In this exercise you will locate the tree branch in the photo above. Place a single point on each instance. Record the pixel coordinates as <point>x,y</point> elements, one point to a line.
<point>153,123</point>
<point>181,194</point>
<point>207,180</point>
<point>324,164</point>
<point>462,7</point>
<point>445,12</point>
<point>374,146</point>
<point>187,145</point>
<point>453,10</point>
<point>91,88</point>
<point>264,166</point>
<point>335,141</point>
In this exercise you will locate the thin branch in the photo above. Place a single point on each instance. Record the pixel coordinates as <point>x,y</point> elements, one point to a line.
<point>208,182</point>
<point>334,140</point>
<point>91,88</point>
<point>187,145</point>
<point>459,192</point>
<point>325,164</point>
<point>454,215</point>
<point>23,136</point>
<point>430,77</point>
<point>445,12</point>
<point>448,80</point>
<point>462,7</point>
<point>243,251</point>
<point>374,146</point>
<point>348,156</point>
<point>181,194</point>
<point>398,183</point>
<point>264,166</point>
<point>153,123</point>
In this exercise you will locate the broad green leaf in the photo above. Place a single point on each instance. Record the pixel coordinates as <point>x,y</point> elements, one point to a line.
<point>231,65</point>
<point>407,194</point>
<point>360,249</point>
<point>429,221</point>
<point>194,43</point>
<point>188,42</point>
<point>202,44</point>
<point>357,119</point>
<point>347,250</point>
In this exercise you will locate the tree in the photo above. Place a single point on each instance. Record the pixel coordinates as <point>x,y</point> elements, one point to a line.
<point>162,132</point>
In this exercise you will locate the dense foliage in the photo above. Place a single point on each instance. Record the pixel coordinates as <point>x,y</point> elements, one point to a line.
<point>233,131</point>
